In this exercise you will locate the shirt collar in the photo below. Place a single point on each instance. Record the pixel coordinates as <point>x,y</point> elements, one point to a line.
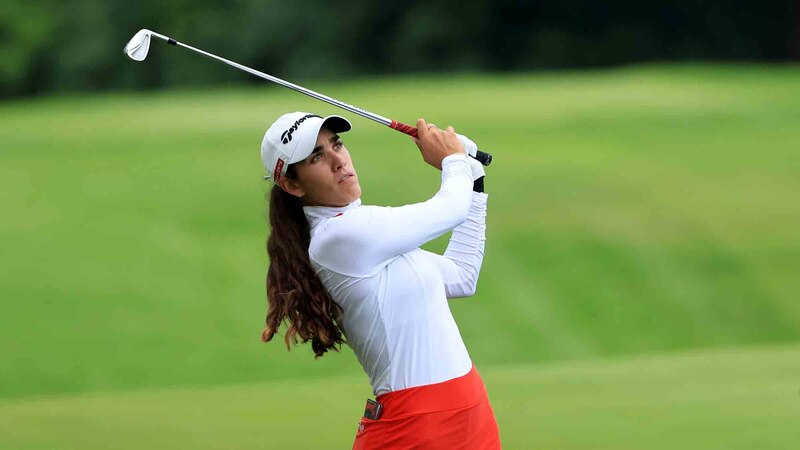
<point>316,214</point>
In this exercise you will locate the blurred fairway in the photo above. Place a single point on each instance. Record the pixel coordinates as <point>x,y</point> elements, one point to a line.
<point>632,211</point>
<point>722,400</point>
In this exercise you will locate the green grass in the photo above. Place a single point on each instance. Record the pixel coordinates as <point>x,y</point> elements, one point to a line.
<point>632,211</point>
<point>724,399</point>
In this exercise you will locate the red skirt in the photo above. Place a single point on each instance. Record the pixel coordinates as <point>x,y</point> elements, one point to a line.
<point>454,414</point>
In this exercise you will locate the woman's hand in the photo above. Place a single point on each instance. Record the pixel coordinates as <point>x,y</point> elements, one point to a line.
<point>436,144</point>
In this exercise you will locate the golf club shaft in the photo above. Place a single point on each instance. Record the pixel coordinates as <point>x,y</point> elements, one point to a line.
<point>484,158</point>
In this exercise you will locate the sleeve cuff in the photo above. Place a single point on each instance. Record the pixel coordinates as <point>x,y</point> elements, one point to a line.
<point>450,159</point>
<point>479,198</point>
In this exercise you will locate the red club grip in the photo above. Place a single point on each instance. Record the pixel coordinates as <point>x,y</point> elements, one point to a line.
<point>403,128</point>
<point>484,158</point>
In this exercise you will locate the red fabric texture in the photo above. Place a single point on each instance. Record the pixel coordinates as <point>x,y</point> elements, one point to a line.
<point>454,414</point>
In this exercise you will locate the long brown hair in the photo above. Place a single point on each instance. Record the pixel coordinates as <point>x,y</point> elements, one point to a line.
<point>294,292</point>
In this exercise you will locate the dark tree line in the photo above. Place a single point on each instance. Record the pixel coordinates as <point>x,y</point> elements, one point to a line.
<point>49,46</point>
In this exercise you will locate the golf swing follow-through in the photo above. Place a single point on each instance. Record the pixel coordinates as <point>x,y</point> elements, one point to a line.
<point>343,272</point>
<point>139,45</point>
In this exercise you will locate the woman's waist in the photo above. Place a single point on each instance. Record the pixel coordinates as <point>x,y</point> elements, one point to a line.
<point>457,393</point>
<point>414,353</point>
<point>395,368</point>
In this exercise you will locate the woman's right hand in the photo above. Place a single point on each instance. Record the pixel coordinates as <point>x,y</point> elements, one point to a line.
<point>436,144</point>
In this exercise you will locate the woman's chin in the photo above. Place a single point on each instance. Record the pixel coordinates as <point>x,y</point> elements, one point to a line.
<point>356,192</point>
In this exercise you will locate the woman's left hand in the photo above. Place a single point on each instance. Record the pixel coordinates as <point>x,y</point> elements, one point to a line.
<point>470,147</point>
<point>477,168</point>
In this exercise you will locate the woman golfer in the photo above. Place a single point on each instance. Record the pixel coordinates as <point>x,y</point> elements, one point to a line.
<point>342,269</point>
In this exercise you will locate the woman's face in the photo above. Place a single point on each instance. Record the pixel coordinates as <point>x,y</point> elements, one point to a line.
<point>327,177</point>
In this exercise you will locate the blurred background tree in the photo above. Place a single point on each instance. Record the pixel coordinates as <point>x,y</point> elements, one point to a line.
<point>51,46</point>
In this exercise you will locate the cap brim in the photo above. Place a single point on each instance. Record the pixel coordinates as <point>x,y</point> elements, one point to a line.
<point>337,124</point>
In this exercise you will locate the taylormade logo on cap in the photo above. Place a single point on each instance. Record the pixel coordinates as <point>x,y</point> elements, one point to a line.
<point>286,136</point>
<point>292,138</point>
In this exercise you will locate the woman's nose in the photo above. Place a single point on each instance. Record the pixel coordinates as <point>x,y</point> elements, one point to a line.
<point>338,161</point>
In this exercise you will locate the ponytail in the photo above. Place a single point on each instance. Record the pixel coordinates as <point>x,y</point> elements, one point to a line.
<point>294,292</point>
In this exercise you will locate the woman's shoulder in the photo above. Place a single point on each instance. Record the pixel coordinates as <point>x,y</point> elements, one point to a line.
<point>336,233</point>
<point>343,243</point>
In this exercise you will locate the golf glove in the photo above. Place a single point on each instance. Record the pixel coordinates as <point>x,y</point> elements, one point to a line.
<point>471,148</point>
<point>477,169</point>
<point>478,172</point>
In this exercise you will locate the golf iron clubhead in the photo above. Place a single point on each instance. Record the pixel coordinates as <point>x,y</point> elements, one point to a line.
<point>139,45</point>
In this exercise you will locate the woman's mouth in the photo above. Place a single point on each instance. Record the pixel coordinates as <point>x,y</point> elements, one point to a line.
<point>345,177</point>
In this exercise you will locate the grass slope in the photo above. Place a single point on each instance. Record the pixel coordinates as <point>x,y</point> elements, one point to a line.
<point>631,211</point>
<point>724,399</point>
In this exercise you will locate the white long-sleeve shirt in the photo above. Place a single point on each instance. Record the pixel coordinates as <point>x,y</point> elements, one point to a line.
<point>394,294</point>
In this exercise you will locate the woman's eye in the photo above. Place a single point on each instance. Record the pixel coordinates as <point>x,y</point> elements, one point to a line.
<point>316,157</point>
<point>338,144</point>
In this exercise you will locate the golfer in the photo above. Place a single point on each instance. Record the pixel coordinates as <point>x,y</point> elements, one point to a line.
<point>339,269</point>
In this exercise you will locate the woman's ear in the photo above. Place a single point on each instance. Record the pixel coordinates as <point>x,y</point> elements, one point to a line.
<point>291,186</point>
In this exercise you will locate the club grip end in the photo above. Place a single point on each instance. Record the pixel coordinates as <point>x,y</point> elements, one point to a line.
<point>483,158</point>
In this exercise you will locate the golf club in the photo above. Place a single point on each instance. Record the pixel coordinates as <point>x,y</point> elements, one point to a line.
<point>139,45</point>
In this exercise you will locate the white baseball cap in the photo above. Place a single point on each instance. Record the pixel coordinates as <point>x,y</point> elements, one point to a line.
<point>292,138</point>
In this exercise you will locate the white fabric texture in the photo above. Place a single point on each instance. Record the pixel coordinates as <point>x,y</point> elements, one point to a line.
<point>394,294</point>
